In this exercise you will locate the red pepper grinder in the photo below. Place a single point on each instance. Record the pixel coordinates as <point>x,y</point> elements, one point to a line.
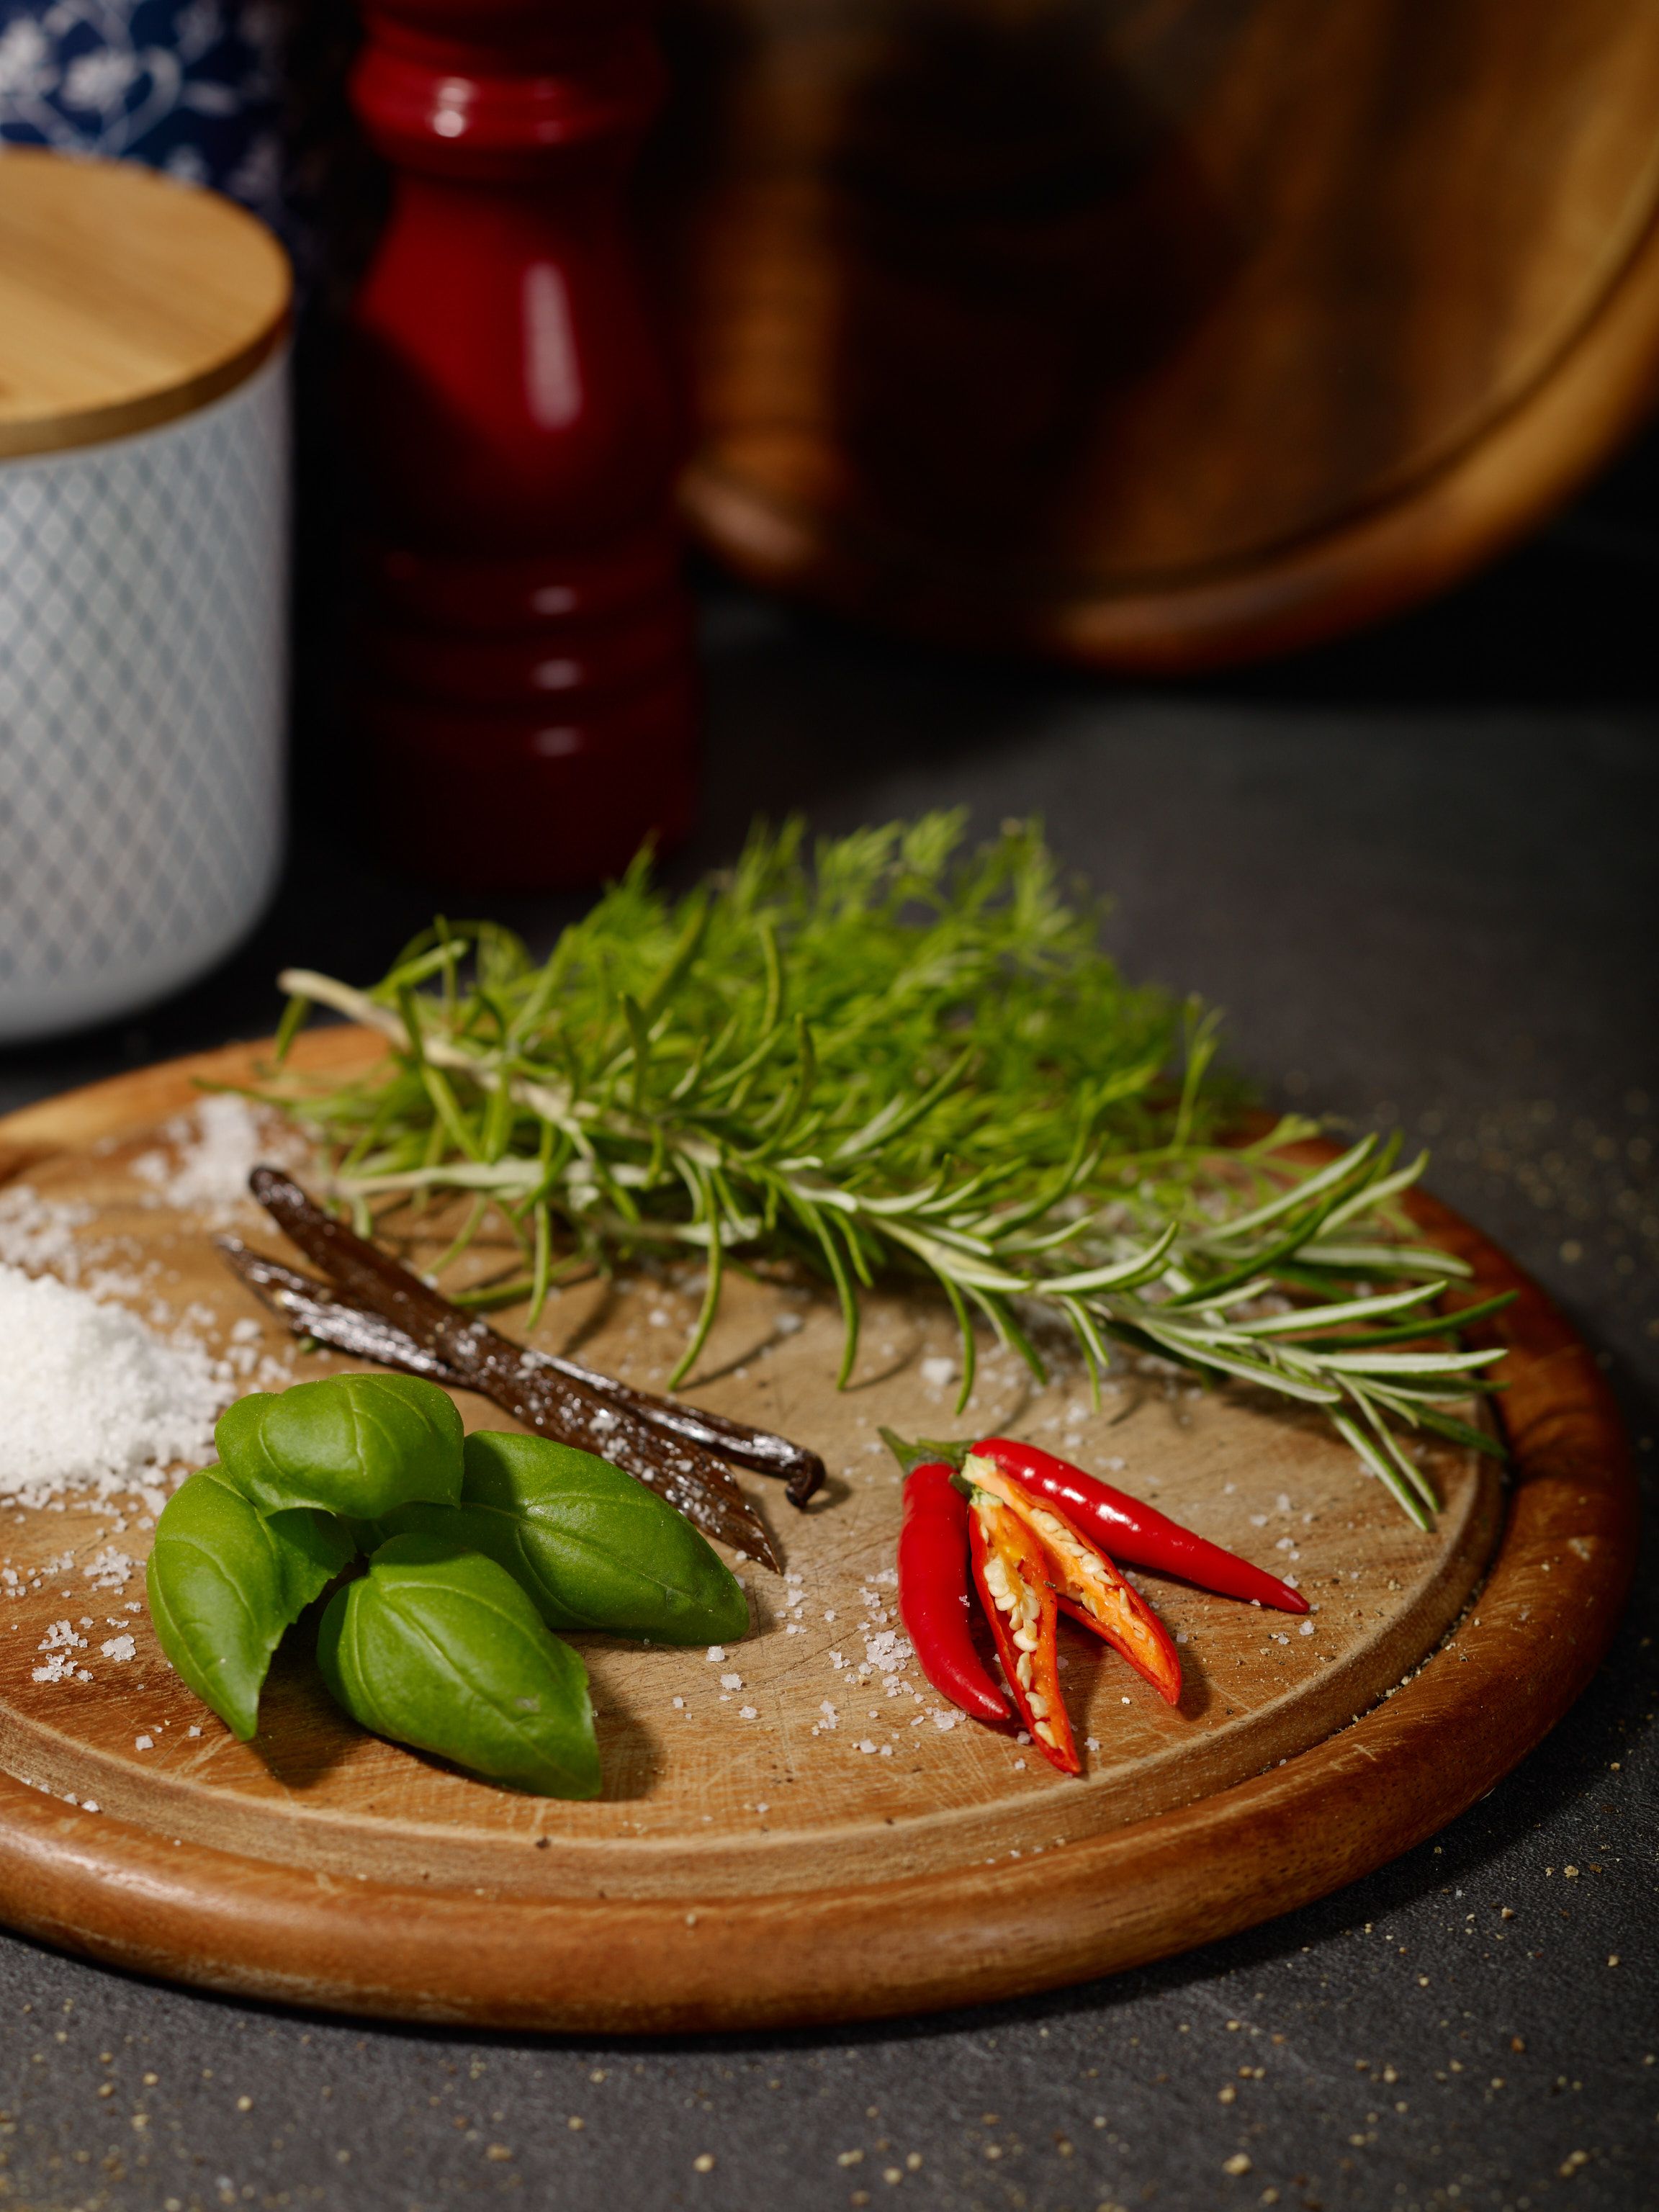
<point>525,671</point>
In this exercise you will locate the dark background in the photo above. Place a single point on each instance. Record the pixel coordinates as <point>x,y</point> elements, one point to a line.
<point>1418,870</point>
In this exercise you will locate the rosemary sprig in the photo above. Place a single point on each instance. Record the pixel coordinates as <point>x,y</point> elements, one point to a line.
<point>903,1058</point>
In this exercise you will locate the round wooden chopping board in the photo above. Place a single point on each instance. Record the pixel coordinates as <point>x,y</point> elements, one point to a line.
<point>797,1828</point>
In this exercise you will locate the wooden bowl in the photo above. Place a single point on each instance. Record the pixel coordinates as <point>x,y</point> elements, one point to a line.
<point>1155,333</point>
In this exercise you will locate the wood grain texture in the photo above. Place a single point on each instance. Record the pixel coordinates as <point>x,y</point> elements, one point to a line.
<point>1156,335</point>
<point>126,300</point>
<point>743,1869</point>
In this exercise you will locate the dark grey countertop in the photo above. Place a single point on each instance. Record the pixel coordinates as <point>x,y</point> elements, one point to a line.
<point>1417,870</point>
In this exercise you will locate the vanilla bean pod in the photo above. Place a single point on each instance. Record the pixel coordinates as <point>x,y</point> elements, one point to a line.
<point>554,1404</point>
<point>759,1449</point>
<point>314,1308</point>
<point>762,1450</point>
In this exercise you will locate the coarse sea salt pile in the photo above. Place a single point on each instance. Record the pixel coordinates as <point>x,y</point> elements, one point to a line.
<point>94,1401</point>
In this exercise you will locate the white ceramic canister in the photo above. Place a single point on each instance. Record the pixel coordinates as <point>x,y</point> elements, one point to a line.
<point>143,551</point>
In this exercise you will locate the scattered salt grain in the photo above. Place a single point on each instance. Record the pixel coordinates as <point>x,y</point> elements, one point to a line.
<point>210,1153</point>
<point>887,1651</point>
<point>717,1653</point>
<point>143,1743</point>
<point>118,1647</point>
<point>38,1234</point>
<point>747,1713</point>
<point>731,1681</point>
<point>109,1569</point>
<point>60,1644</point>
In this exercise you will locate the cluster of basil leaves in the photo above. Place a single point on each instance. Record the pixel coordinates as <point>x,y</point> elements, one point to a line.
<point>477,1548</point>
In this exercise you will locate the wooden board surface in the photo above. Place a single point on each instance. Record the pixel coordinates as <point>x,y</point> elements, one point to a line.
<point>1156,335</point>
<point>126,300</point>
<point>799,1829</point>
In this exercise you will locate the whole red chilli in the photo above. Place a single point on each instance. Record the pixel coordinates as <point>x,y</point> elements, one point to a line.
<point>1132,1532</point>
<point>933,1595</point>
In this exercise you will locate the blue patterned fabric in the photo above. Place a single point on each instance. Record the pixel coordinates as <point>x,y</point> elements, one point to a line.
<point>192,87</point>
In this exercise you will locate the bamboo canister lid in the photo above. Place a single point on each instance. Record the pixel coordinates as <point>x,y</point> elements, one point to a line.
<point>126,300</point>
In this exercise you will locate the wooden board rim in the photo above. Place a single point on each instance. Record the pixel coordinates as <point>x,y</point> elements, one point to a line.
<point>1502,1679</point>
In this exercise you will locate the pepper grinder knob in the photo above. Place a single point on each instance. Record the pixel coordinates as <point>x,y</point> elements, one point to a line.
<point>524,669</point>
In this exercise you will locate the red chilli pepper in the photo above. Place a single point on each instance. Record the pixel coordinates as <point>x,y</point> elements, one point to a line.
<point>1083,1580</point>
<point>1012,1571</point>
<point>1136,1533</point>
<point>933,1592</point>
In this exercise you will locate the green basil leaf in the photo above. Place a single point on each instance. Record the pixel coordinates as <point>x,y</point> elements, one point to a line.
<point>223,1583</point>
<point>439,1647</point>
<point>595,1549</point>
<point>360,1445</point>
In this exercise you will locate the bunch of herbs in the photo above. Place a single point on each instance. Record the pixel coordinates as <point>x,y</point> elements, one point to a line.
<point>904,1058</point>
